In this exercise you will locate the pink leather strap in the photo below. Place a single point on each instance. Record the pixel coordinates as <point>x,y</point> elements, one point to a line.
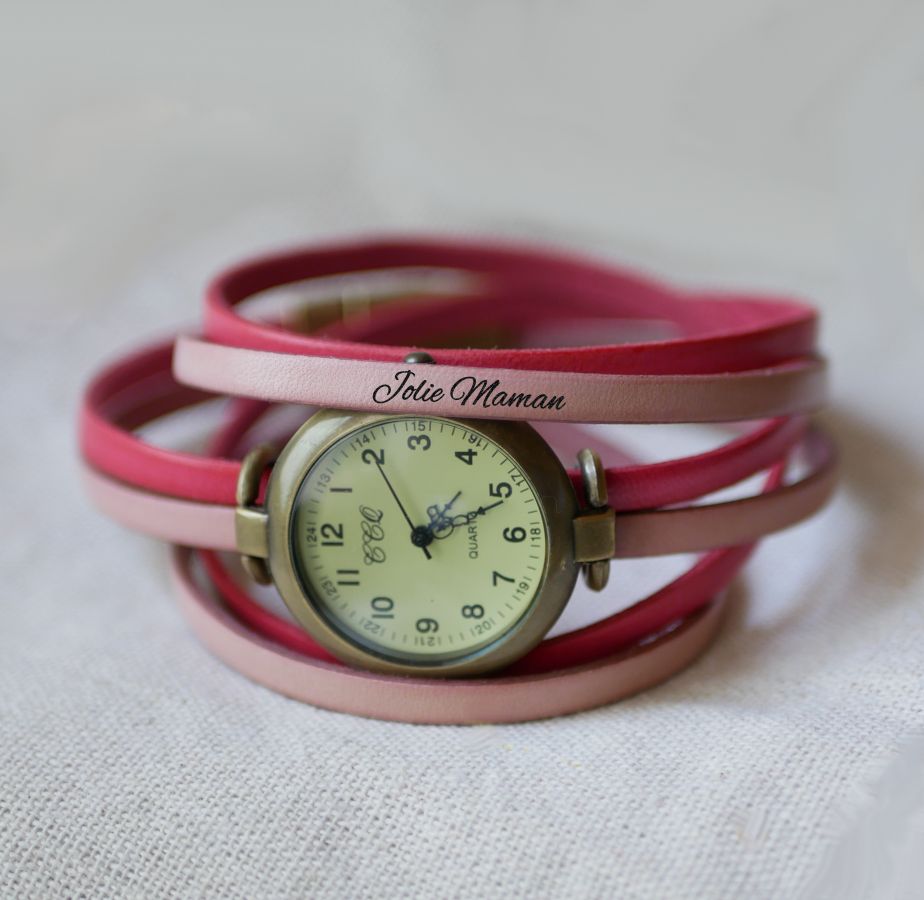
<point>432,701</point>
<point>504,393</point>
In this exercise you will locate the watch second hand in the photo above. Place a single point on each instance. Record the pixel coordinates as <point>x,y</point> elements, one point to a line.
<point>401,507</point>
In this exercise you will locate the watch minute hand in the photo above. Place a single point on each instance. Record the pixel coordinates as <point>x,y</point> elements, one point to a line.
<point>394,494</point>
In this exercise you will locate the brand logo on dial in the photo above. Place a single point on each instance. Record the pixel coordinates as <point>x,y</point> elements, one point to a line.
<point>467,390</point>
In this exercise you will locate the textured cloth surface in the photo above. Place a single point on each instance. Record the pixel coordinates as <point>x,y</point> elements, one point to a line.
<point>755,144</point>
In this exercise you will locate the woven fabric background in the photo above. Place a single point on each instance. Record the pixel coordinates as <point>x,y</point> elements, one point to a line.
<point>759,144</point>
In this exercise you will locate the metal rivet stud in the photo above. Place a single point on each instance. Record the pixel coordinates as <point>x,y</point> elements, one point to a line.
<point>418,356</point>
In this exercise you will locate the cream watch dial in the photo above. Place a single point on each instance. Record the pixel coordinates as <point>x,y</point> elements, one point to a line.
<point>418,538</point>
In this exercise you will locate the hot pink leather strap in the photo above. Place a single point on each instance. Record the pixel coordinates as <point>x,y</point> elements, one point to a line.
<point>432,701</point>
<point>185,522</point>
<point>638,533</point>
<point>512,285</point>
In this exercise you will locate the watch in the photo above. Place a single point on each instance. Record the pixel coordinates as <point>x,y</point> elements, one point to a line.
<point>424,545</point>
<point>419,526</point>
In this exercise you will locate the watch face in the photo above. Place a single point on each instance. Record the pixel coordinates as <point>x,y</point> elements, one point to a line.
<point>421,541</point>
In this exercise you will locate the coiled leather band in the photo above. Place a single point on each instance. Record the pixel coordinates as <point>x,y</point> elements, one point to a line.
<point>730,359</point>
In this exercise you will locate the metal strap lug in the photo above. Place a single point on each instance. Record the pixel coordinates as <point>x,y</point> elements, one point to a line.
<point>251,523</point>
<point>595,529</point>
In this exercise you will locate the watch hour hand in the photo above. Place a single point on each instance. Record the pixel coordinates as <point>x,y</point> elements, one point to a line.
<point>483,509</point>
<point>442,525</point>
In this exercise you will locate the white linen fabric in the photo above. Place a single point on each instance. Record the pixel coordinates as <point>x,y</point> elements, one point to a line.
<point>758,144</point>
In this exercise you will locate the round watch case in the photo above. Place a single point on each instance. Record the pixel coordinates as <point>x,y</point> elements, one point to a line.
<point>557,502</point>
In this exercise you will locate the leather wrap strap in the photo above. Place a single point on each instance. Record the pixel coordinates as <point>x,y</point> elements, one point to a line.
<point>189,499</point>
<point>433,701</point>
<point>500,393</point>
<point>717,358</point>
